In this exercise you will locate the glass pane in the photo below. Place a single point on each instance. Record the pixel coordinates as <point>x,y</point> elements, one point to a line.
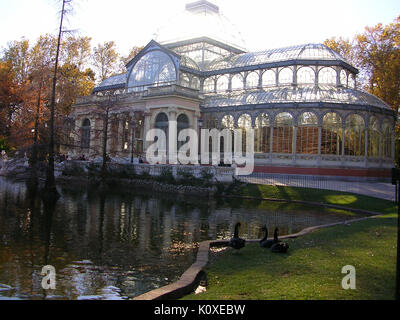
<point>327,76</point>
<point>305,75</point>
<point>269,78</point>
<point>154,68</point>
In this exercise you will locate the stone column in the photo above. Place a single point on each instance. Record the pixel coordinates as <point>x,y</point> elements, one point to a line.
<point>77,135</point>
<point>111,119</point>
<point>147,127</point>
<point>120,139</point>
<point>196,127</point>
<point>172,136</point>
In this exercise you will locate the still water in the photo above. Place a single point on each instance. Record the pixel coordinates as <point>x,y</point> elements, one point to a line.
<point>120,245</point>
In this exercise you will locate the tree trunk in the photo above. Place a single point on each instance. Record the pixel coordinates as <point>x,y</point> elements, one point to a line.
<point>35,138</point>
<point>50,179</point>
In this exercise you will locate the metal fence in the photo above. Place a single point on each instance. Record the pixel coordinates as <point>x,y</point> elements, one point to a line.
<point>375,189</point>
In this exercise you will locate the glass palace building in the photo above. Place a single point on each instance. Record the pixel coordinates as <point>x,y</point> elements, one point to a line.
<point>303,101</point>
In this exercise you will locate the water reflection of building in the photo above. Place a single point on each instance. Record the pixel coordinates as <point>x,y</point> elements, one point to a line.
<point>303,101</point>
<point>134,242</point>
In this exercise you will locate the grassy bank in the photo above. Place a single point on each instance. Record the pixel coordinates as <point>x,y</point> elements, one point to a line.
<point>316,195</point>
<point>312,268</point>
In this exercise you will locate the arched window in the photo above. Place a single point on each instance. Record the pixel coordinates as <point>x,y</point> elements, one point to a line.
<point>327,76</point>
<point>211,121</point>
<point>228,122</point>
<point>262,134</point>
<point>195,84</point>
<point>269,78</point>
<point>182,123</point>
<point>113,127</point>
<point>374,137</point>
<point>85,138</point>
<point>283,133</point>
<point>222,84</point>
<point>343,78</point>
<point>209,85</point>
<point>355,136</point>
<point>237,82</point>
<point>184,80</point>
<point>387,139</point>
<point>307,134</point>
<point>332,135</point>
<point>162,122</point>
<point>286,76</point>
<point>245,124</point>
<point>154,68</point>
<point>252,80</point>
<point>305,75</point>
<point>351,81</point>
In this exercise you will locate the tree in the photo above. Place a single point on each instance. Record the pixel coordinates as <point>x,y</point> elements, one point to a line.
<point>105,59</point>
<point>379,55</point>
<point>41,59</point>
<point>125,60</point>
<point>376,53</point>
<point>50,179</point>
<point>9,97</point>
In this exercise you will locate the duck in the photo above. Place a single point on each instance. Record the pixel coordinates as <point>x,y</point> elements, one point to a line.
<point>265,243</point>
<point>279,246</point>
<point>236,242</point>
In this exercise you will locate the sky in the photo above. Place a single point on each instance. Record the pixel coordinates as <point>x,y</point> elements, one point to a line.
<point>264,24</point>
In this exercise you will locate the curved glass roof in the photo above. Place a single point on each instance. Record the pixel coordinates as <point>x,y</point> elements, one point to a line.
<point>117,81</point>
<point>189,63</point>
<point>290,94</point>
<point>200,19</point>
<point>300,52</point>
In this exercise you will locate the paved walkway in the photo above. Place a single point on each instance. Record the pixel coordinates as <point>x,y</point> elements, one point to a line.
<point>374,189</point>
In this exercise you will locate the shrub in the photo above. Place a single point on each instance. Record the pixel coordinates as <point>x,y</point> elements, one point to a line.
<point>187,178</point>
<point>4,145</point>
<point>73,170</point>
<point>207,177</point>
<point>145,175</point>
<point>94,169</point>
<point>167,176</point>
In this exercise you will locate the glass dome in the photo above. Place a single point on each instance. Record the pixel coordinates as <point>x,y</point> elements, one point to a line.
<point>200,19</point>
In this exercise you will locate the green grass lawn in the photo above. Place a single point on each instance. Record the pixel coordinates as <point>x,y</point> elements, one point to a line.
<point>317,195</point>
<point>312,269</point>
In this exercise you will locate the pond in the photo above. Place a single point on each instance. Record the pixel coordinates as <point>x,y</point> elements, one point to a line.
<point>122,244</point>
